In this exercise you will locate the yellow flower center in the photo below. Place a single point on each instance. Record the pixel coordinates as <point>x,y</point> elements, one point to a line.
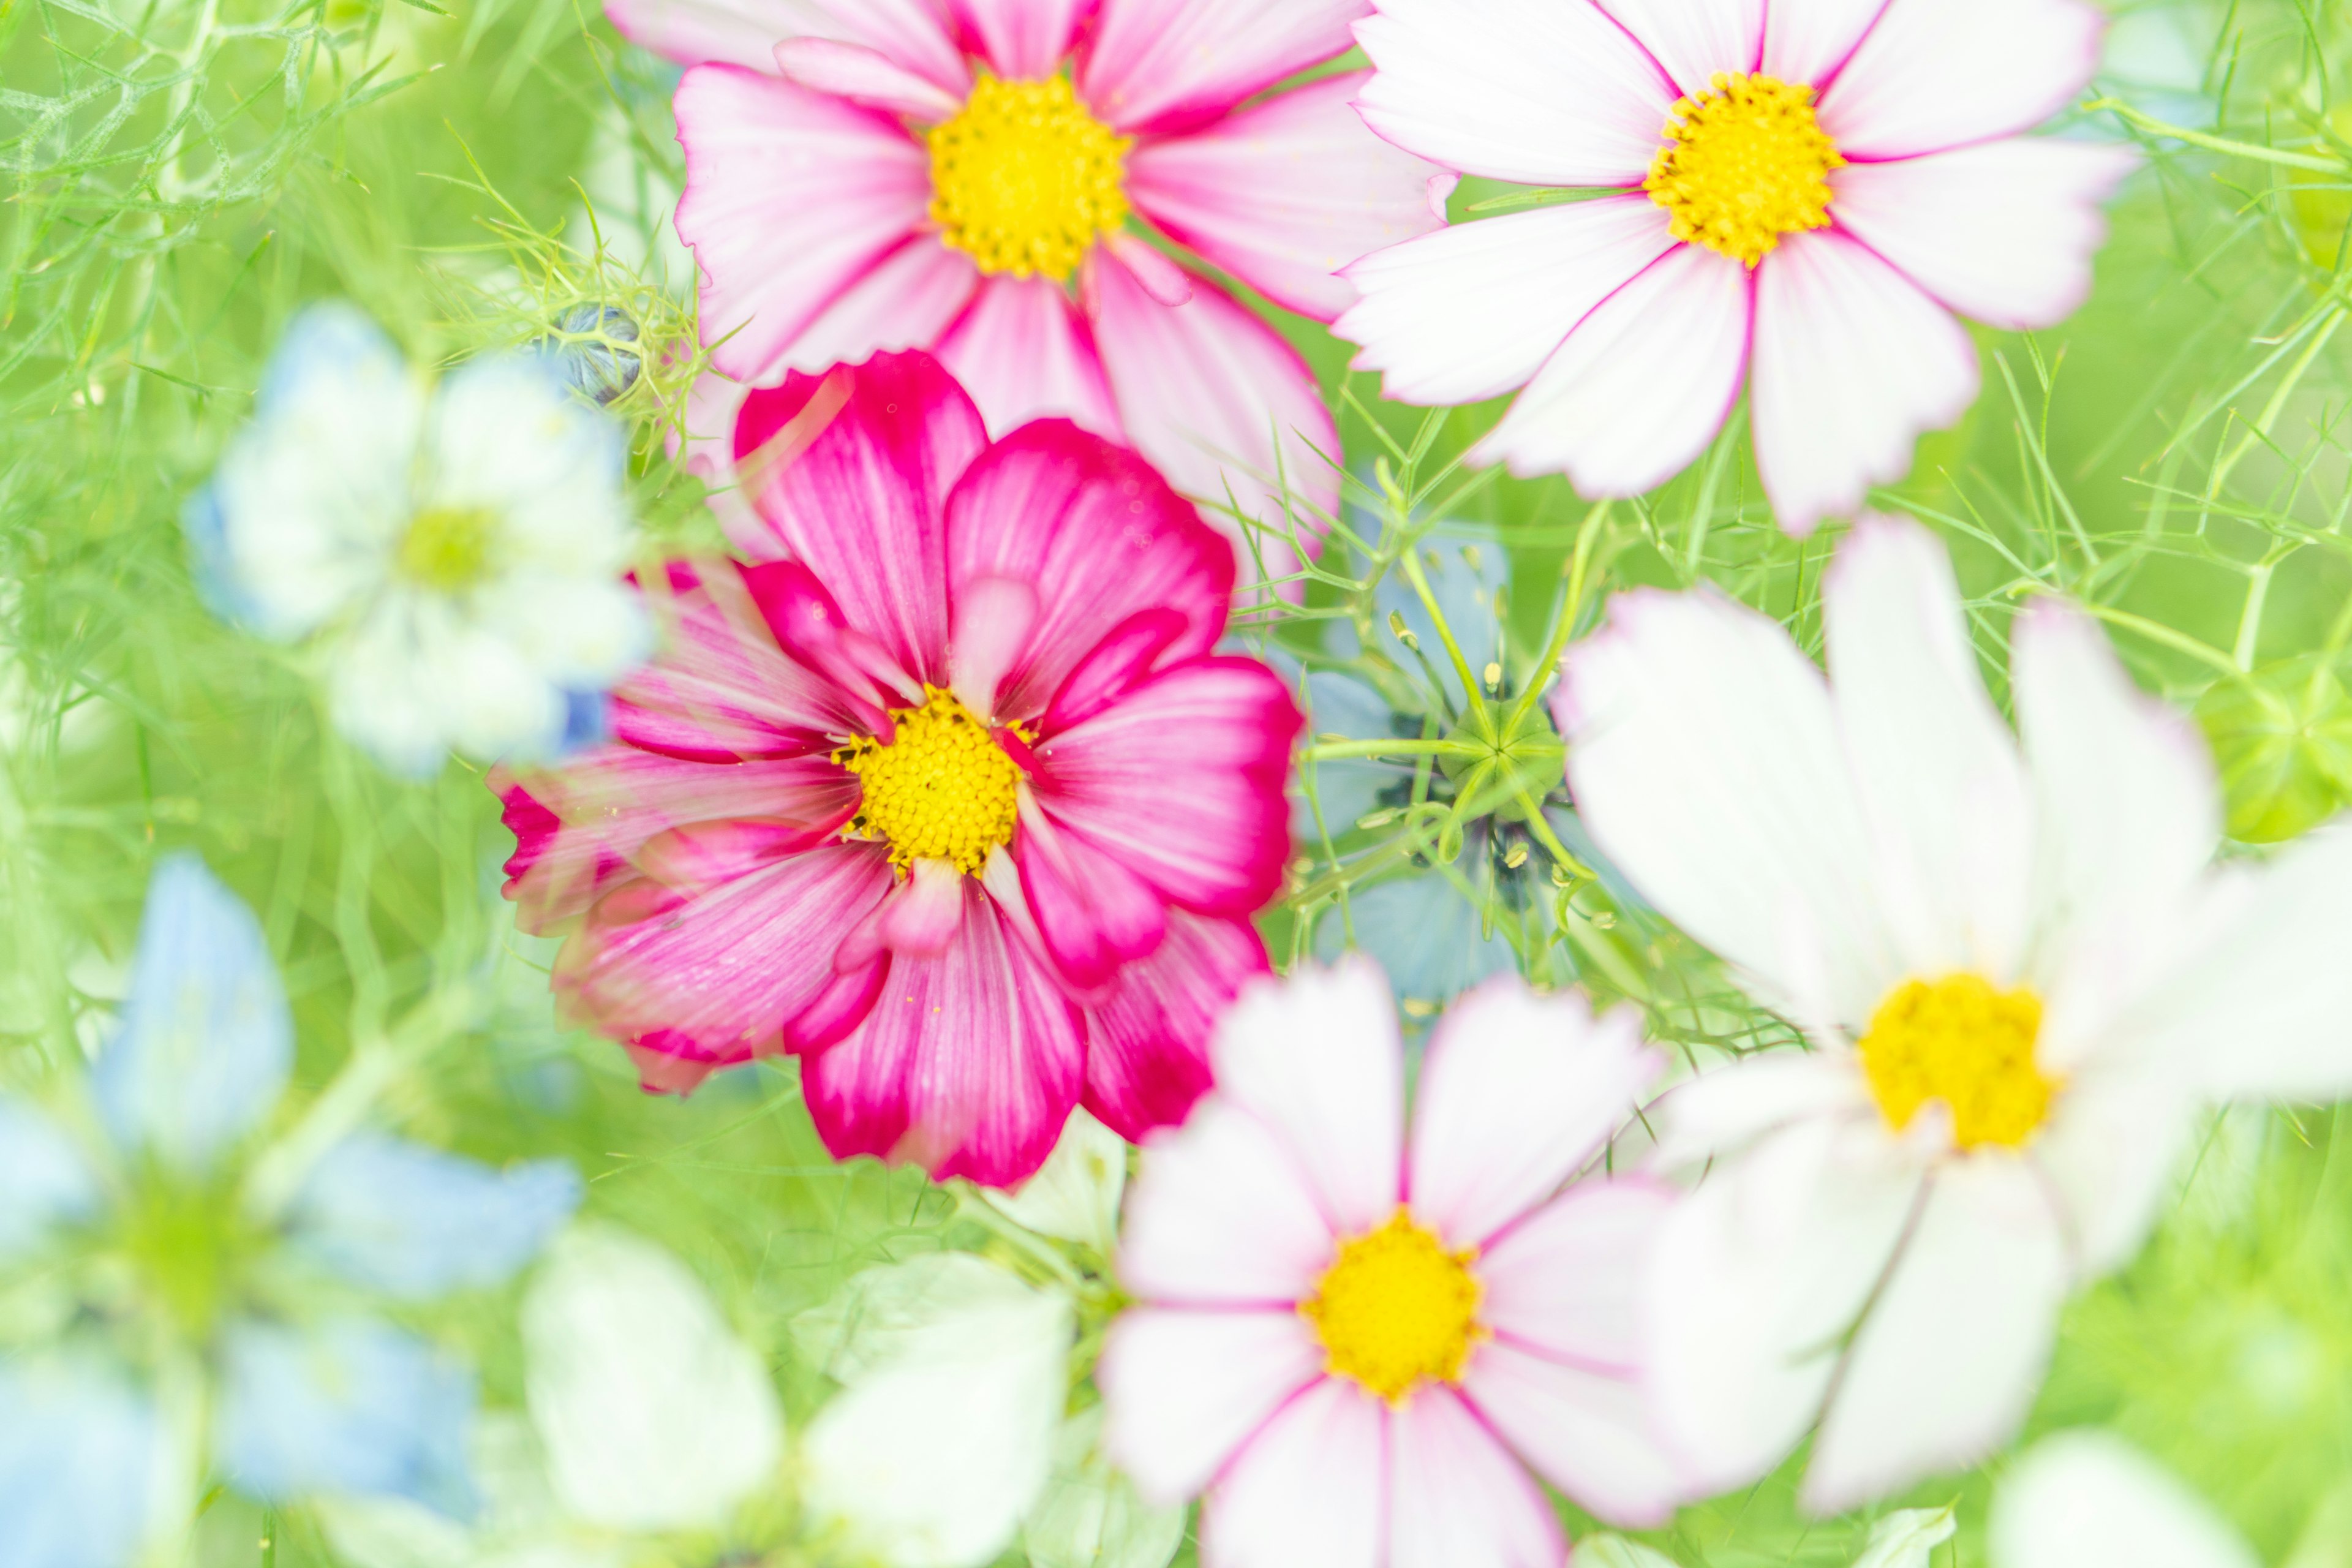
<point>1960,1041</point>
<point>448,548</point>
<point>941,790</point>
<point>1396,1309</point>
<point>1744,164</point>
<point>1024,179</point>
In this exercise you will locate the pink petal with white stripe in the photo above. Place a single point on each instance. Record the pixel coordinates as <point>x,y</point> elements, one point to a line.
<point>1566,1283</point>
<point>1148,1034</point>
<point>1589,1434</point>
<point>1024,352</point>
<point>1221,1215</point>
<point>864,77</point>
<point>913,34</point>
<point>1219,403</point>
<point>1099,537</point>
<point>1309,1491</point>
<point>1182,781</point>
<point>1093,913</point>
<point>1457,1497</point>
<point>1472,311</point>
<point>853,471</point>
<point>1812,43</point>
<point>968,1065</point>
<point>2004,233</point>
<point>1170,65</point>
<point>1641,386</point>
<point>1285,195</point>
<point>1695,39</point>
<point>729,969</point>
<point>1937,74</point>
<point>723,689</point>
<point>1183,1390</point>
<point>1852,362</point>
<point>1525,91</point>
<point>1317,1058</point>
<point>1518,1093</point>
<point>790,197</point>
<point>1021,39</point>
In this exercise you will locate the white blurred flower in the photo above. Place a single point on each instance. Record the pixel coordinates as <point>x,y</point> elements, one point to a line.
<point>2086,1499</point>
<point>457,552</point>
<point>956,1372</point>
<point>1074,1194</point>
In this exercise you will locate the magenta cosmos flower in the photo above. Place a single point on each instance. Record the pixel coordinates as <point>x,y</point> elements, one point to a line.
<point>943,174</point>
<point>1795,197</point>
<point>1358,1340</point>
<point>946,795</point>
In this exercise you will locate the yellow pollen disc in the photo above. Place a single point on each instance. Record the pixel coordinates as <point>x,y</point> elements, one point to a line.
<point>1960,1041</point>
<point>941,790</point>
<point>1744,164</point>
<point>1396,1309</point>
<point>448,548</point>
<point>1025,181</point>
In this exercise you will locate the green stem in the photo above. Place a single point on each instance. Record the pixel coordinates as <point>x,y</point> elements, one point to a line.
<point>1579,564</point>
<point>2156,127</point>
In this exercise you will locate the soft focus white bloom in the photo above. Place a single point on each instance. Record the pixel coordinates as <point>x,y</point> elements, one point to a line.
<point>458,551</point>
<point>956,1372</point>
<point>2018,969</point>
<point>1074,1194</point>
<point>1793,199</point>
<point>2086,1499</point>
<point>654,1415</point>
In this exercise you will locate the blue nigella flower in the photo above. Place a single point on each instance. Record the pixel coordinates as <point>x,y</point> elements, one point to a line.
<point>171,1269</point>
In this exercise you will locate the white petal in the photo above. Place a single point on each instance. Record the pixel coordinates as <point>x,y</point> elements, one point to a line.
<point>2089,1500</point>
<point>1696,40</point>
<point>1641,386</point>
<point>653,1413</point>
<point>1517,1094</point>
<point>2130,814</point>
<point>1182,1391</point>
<point>1934,74</point>
<point>2259,1008</point>
<point>1309,1492</point>
<point>1756,1276</point>
<point>1943,789</point>
<point>582,632</point>
<point>2113,1138</point>
<point>1949,1359</point>
<point>1567,1283</point>
<point>1538,93</point>
<point>1318,1059</point>
<point>1592,1435</point>
<point>1472,312</point>
<point>1727,1107</point>
<point>1810,42</point>
<point>931,1458</point>
<point>1852,362</point>
<point>506,436</point>
<point>1458,1498</point>
<point>1075,1194</point>
<point>2004,233</point>
<point>1705,761</point>
<point>1221,1213</point>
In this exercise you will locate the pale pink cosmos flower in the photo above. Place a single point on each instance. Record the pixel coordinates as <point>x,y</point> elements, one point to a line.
<point>1359,1332</point>
<point>1793,196</point>
<point>946,794</point>
<point>2018,968</point>
<point>958,175</point>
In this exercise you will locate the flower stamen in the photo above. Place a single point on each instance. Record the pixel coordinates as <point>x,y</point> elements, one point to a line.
<point>448,548</point>
<point>1396,1309</point>
<point>1025,181</point>
<point>1959,1041</point>
<point>940,789</point>
<point>1744,163</point>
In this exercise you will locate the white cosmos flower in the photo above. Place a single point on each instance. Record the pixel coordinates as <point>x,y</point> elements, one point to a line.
<point>457,550</point>
<point>1793,197</point>
<point>2086,1499</point>
<point>2019,970</point>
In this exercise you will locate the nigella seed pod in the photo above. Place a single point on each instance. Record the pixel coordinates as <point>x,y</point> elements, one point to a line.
<point>582,347</point>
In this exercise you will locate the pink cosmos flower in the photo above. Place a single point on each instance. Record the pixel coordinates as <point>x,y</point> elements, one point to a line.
<point>945,793</point>
<point>867,175</point>
<point>1358,1342</point>
<point>1793,197</point>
